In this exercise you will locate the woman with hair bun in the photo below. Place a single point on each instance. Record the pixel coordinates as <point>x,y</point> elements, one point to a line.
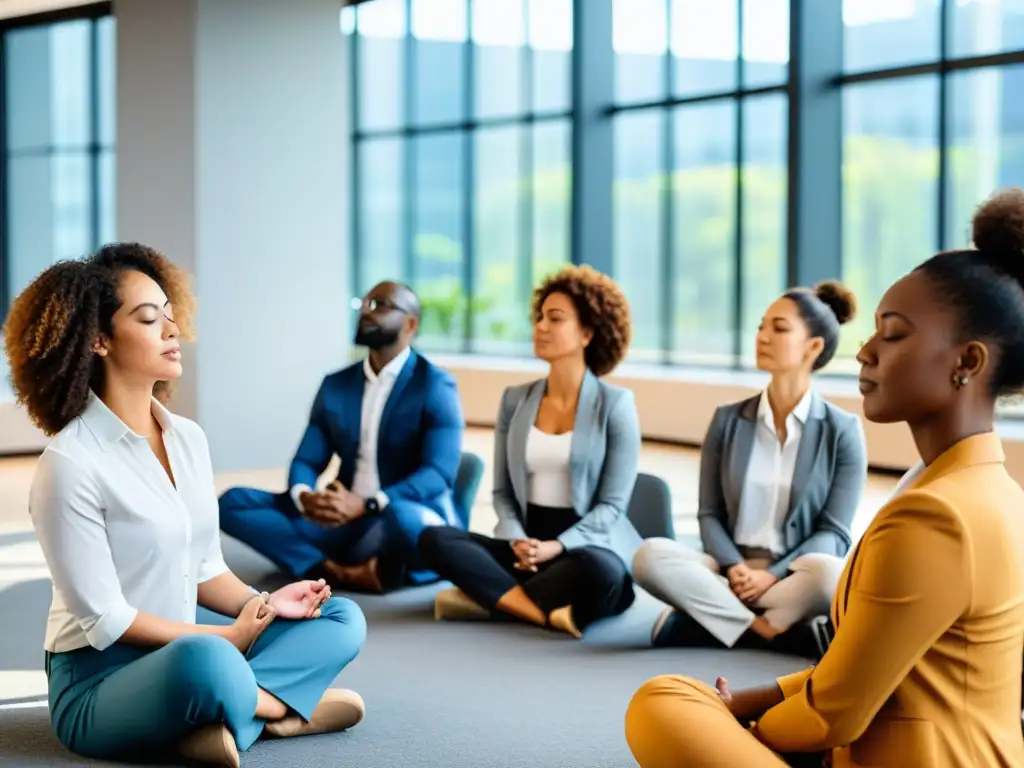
<point>924,670</point>
<point>781,477</point>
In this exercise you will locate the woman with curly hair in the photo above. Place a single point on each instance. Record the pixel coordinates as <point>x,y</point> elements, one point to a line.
<point>566,449</point>
<point>781,475</point>
<point>152,642</point>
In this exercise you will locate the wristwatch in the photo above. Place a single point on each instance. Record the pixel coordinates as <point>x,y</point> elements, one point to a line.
<point>371,506</point>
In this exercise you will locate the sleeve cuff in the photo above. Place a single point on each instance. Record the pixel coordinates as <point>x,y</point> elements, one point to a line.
<point>792,684</point>
<point>572,538</point>
<point>110,626</point>
<point>297,491</point>
<point>509,530</point>
<point>382,499</point>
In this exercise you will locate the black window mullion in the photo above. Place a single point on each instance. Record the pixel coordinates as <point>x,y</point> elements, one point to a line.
<point>942,202</point>
<point>94,127</point>
<point>355,177</point>
<point>668,164</point>
<point>409,151</point>
<point>737,308</point>
<point>469,183</point>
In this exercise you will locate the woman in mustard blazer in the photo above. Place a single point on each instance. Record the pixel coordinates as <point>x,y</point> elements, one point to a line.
<point>924,670</point>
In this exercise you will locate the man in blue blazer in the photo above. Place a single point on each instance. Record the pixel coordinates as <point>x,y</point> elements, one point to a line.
<point>395,421</point>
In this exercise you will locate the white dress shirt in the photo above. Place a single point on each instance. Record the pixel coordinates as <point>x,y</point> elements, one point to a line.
<point>548,470</point>
<point>376,391</point>
<point>117,535</point>
<point>764,500</point>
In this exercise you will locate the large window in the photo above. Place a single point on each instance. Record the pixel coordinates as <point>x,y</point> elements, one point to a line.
<point>713,172</point>
<point>932,124</point>
<point>57,122</point>
<point>462,158</point>
<point>700,124</point>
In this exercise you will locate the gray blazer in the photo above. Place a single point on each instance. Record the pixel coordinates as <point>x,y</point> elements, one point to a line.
<point>604,456</point>
<point>831,469</point>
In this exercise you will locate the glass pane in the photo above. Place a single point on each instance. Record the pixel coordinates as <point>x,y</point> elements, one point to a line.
<point>550,36</point>
<point>890,33</point>
<point>49,206</point>
<point>106,96</point>
<point>106,197</point>
<point>380,209</point>
<point>890,180</point>
<point>499,32</point>
<point>437,246</point>
<point>440,30</point>
<point>986,143</point>
<point>764,185</point>
<point>640,39</point>
<point>552,189</point>
<point>500,315</point>
<point>380,60</point>
<point>987,26</point>
<point>638,223</point>
<point>70,54</point>
<point>48,86</point>
<point>765,42</point>
<point>704,228</point>
<point>704,42</point>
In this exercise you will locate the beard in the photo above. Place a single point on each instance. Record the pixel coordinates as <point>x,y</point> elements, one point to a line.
<point>375,337</point>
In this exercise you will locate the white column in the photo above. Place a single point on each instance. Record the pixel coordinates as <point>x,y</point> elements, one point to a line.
<point>233,144</point>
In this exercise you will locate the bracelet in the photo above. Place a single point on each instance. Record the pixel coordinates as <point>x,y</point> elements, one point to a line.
<point>248,600</point>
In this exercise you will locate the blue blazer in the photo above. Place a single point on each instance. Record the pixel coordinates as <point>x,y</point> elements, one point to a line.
<point>604,456</point>
<point>420,440</point>
<point>831,469</point>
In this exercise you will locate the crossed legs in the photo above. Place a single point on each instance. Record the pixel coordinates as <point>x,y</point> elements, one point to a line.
<point>689,582</point>
<point>123,700</point>
<point>570,592</point>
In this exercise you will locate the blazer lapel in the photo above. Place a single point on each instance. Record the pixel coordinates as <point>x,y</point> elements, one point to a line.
<point>523,419</point>
<point>806,457</point>
<point>353,403</point>
<point>739,454</point>
<point>404,377</point>
<point>583,428</point>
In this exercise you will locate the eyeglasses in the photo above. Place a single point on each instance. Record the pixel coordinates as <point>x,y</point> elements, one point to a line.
<point>374,304</point>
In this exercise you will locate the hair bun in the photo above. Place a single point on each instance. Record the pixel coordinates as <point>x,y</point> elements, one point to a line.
<point>839,298</point>
<point>998,231</point>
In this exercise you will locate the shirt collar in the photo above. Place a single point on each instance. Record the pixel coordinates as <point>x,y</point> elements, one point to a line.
<point>389,371</point>
<point>109,428</point>
<point>800,412</point>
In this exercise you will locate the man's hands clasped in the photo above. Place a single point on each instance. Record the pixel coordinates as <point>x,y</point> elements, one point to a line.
<point>333,506</point>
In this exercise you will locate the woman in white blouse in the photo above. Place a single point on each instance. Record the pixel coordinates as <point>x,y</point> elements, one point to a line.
<point>780,480</point>
<point>152,643</point>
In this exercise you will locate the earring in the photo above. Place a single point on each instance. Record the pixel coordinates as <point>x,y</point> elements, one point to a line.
<point>960,381</point>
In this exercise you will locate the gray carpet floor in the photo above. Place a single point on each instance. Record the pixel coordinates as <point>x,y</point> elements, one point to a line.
<point>438,694</point>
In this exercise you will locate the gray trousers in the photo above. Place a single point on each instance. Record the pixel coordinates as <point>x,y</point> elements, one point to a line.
<point>690,581</point>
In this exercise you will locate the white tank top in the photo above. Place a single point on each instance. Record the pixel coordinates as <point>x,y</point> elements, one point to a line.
<point>548,469</point>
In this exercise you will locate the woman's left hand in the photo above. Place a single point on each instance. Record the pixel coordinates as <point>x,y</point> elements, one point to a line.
<point>756,584</point>
<point>300,599</point>
<point>542,551</point>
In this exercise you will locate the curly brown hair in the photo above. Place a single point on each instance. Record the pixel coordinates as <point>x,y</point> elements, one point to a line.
<point>53,323</point>
<point>602,308</point>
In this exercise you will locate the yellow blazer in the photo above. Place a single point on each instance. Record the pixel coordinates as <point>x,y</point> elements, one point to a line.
<point>925,667</point>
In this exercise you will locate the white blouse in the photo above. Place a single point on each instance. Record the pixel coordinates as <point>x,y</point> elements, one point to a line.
<point>548,469</point>
<point>768,486</point>
<point>117,535</point>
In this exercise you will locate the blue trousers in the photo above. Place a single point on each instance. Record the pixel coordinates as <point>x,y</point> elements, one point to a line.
<point>125,700</point>
<point>267,522</point>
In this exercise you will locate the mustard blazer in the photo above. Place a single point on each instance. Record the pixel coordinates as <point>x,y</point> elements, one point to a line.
<point>925,667</point>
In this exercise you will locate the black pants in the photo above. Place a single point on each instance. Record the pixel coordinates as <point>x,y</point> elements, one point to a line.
<point>593,580</point>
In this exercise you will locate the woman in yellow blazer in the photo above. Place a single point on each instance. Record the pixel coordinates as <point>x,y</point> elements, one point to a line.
<point>925,667</point>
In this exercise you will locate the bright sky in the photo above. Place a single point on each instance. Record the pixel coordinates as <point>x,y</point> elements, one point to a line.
<point>704,29</point>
